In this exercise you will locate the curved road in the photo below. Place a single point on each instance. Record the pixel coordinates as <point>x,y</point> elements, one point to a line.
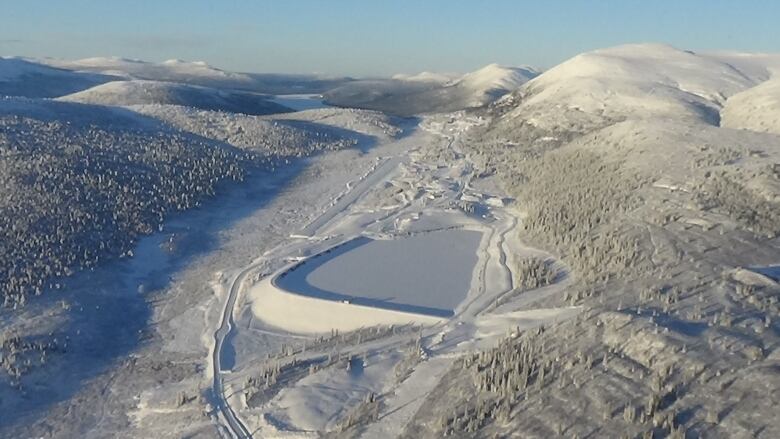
<point>233,423</point>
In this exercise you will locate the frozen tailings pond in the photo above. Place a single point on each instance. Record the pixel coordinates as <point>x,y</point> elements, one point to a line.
<point>426,273</point>
<point>364,281</point>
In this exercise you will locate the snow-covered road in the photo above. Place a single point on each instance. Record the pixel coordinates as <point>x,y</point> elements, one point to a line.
<point>342,203</point>
<point>221,405</point>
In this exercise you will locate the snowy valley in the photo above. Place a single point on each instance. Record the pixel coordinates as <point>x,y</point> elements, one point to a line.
<point>586,251</point>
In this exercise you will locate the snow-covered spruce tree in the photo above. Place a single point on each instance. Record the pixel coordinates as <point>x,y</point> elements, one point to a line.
<point>534,273</point>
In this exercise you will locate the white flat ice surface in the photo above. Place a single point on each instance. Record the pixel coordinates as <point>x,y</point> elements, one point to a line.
<point>429,273</point>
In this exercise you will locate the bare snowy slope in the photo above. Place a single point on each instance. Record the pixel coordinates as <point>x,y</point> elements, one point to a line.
<point>141,92</point>
<point>435,77</point>
<point>756,109</point>
<point>493,80</point>
<point>427,93</point>
<point>627,82</point>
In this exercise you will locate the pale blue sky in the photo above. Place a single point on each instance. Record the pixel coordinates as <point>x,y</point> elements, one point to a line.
<point>372,37</point>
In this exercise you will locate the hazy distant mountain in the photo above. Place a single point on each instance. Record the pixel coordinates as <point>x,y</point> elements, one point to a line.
<point>428,92</point>
<point>201,73</point>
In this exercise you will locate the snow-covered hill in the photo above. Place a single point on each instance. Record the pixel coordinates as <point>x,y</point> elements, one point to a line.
<point>494,80</point>
<point>22,77</point>
<point>428,93</point>
<point>171,70</point>
<point>144,92</point>
<point>266,137</point>
<point>81,183</point>
<point>756,109</point>
<point>628,82</point>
